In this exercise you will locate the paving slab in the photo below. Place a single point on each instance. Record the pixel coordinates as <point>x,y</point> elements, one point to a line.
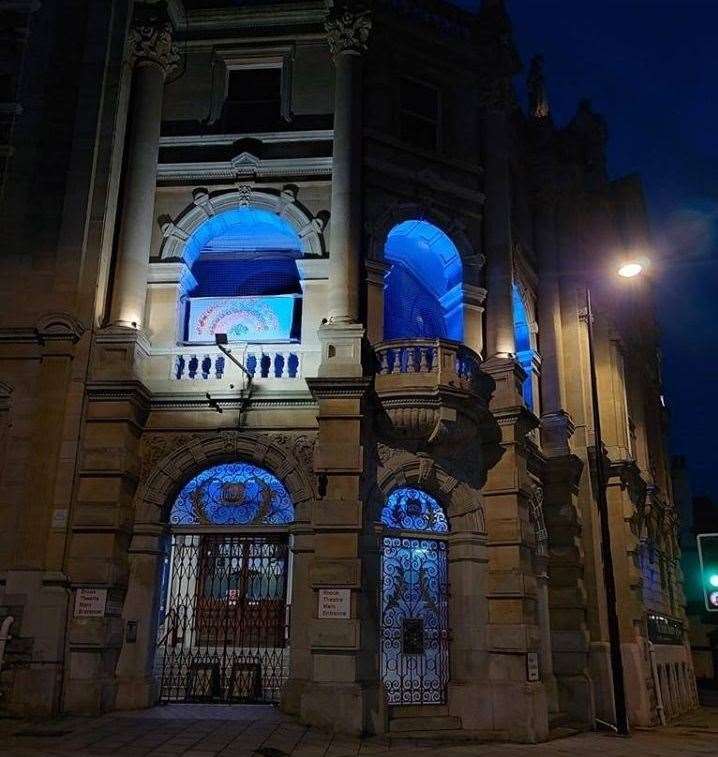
<point>258,731</point>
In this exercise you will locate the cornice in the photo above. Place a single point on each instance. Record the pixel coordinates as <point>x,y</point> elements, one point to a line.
<point>230,401</point>
<point>339,387</point>
<point>233,170</point>
<point>272,137</point>
<point>254,17</point>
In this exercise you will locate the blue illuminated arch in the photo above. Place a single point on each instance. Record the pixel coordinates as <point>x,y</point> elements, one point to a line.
<point>524,348</point>
<point>243,231</point>
<point>422,295</point>
<point>233,494</point>
<point>246,282</point>
<point>411,509</point>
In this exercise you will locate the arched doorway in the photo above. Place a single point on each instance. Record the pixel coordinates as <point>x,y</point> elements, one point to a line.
<point>224,601</point>
<point>414,633</point>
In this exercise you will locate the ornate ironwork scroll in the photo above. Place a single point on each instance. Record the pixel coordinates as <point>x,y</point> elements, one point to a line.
<point>233,494</point>
<point>224,631</point>
<point>411,509</point>
<point>415,620</point>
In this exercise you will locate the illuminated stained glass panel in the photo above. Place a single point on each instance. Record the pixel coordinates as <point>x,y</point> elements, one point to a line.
<point>411,509</point>
<point>242,319</point>
<point>233,494</point>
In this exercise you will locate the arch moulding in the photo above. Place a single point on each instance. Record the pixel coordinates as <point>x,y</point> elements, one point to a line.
<point>403,468</point>
<point>287,456</point>
<point>409,211</point>
<point>206,205</point>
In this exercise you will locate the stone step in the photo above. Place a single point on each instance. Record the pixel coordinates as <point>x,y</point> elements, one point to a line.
<point>424,723</point>
<point>562,732</point>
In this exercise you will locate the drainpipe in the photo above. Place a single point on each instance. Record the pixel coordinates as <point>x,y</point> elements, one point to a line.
<point>656,683</point>
<point>4,636</point>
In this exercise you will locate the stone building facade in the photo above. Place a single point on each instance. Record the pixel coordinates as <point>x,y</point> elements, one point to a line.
<point>294,375</point>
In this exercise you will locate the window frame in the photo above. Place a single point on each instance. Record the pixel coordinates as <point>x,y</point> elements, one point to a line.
<point>402,110</point>
<point>226,60</point>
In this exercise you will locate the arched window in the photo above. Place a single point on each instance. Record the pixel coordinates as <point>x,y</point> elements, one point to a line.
<point>233,494</point>
<point>525,352</point>
<point>411,509</point>
<point>246,279</point>
<point>422,294</point>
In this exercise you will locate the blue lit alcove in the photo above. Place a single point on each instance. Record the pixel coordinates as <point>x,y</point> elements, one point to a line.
<point>422,292</point>
<point>411,509</point>
<point>247,284</point>
<point>524,349</point>
<point>233,494</point>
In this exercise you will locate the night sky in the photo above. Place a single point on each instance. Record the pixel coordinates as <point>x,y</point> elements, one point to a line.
<point>651,68</point>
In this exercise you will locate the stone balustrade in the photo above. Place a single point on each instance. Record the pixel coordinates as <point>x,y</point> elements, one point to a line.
<point>202,364</point>
<point>427,362</point>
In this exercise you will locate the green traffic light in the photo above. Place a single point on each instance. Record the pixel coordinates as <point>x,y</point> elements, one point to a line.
<point>713,579</point>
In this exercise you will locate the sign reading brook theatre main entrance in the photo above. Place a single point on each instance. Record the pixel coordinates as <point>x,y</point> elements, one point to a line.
<point>334,603</point>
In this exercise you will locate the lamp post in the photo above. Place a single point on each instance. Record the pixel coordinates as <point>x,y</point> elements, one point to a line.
<point>627,270</point>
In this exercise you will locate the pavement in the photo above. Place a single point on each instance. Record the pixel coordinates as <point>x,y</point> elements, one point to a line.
<point>258,731</point>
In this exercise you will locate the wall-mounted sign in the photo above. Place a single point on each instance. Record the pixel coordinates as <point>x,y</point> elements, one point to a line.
<point>532,666</point>
<point>334,603</point>
<point>59,518</point>
<point>90,603</point>
<point>242,319</point>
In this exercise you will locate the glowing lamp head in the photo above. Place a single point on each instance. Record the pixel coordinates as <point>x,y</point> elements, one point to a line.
<point>630,270</point>
<point>713,579</point>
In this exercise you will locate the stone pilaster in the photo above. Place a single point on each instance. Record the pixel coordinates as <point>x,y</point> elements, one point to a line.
<point>344,692</point>
<point>152,56</point>
<point>100,544</point>
<point>520,707</point>
<point>499,63</point>
<point>348,26</point>
<point>37,581</point>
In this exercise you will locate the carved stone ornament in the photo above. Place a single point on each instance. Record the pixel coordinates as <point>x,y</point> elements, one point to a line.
<point>347,30</point>
<point>150,40</point>
<point>536,85</point>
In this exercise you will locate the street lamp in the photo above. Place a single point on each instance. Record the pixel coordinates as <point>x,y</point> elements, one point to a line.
<point>626,270</point>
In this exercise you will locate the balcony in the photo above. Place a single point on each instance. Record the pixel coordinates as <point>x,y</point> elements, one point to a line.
<point>282,366</point>
<point>431,390</point>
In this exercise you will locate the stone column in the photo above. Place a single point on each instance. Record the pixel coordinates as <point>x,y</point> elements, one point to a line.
<point>375,278</point>
<point>555,423</point>
<point>497,235</point>
<point>152,56</point>
<point>347,33</point>
<point>473,301</point>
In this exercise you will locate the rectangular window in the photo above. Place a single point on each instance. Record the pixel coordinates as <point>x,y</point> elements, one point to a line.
<point>254,99</point>
<point>419,114</point>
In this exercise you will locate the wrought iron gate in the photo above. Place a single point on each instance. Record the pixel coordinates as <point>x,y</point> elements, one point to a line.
<point>415,620</point>
<point>224,634</point>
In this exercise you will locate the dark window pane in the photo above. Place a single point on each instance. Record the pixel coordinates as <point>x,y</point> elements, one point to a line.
<point>254,85</point>
<point>253,99</point>
<point>418,132</point>
<point>420,99</point>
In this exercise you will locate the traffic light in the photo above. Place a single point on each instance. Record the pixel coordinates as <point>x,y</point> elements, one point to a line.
<point>708,554</point>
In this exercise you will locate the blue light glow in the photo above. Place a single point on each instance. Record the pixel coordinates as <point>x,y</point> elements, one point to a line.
<point>243,230</point>
<point>422,296</point>
<point>233,494</point>
<point>524,350</point>
<point>411,509</point>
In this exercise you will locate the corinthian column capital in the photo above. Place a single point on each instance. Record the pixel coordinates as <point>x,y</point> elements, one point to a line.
<point>348,26</point>
<point>150,38</point>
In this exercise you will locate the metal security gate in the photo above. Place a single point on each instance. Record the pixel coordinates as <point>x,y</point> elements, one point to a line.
<point>224,632</point>
<point>415,620</point>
